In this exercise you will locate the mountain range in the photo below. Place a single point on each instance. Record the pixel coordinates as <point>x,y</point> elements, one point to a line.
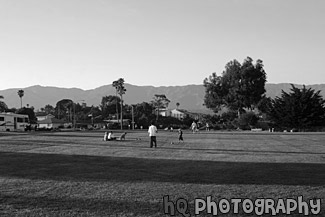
<point>190,97</point>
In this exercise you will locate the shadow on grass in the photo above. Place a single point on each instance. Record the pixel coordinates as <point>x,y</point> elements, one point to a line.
<point>81,207</point>
<point>124,169</point>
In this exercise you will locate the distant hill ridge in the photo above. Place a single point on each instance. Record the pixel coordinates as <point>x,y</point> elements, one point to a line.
<point>190,97</point>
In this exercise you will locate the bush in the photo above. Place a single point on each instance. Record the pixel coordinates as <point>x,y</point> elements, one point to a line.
<point>263,125</point>
<point>247,121</point>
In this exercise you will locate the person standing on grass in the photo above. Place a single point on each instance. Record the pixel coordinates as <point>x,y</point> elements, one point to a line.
<point>207,127</point>
<point>194,127</point>
<point>105,136</point>
<point>152,134</point>
<point>180,135</point>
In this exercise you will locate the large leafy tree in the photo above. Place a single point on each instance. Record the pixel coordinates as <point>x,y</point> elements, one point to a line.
<point>143,113</point>
<point>240,86</point>
<point>30,112</point>
<point>265,104</point>
<point>301,109</point>
<point>160,101</point>
<point>21,94</point>
<point>120,90</point>
<point>64,109</point>
<point>108,104</point>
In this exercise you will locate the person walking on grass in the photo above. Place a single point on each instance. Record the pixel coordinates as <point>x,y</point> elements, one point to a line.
<point>152,134</point>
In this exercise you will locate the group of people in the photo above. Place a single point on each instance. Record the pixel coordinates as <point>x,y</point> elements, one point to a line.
<point>152,134</point>
<point>195,127</point>
<point>110,136</point>
<point>153,131</point>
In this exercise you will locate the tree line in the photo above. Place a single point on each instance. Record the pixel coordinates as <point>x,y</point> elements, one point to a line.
<point>111,107</point>
<point>239,92</point>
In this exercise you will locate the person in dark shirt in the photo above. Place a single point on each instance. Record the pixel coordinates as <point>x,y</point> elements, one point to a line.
<point>180,135</point>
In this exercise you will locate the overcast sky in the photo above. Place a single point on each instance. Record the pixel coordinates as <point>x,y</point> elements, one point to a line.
<point>89,43</point>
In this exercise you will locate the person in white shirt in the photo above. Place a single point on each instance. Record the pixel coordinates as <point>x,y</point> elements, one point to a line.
<point>111,136</point>
<point>194,127</point>
<point>152,134</point>
<point>105,136</point>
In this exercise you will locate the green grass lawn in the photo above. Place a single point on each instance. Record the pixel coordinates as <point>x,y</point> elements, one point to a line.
<point>78,174</point>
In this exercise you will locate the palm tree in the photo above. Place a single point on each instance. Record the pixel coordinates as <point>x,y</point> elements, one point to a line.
<point>177,105</point>
<point>115,84</point>
<point>120,90</point>
<point>21,94</point>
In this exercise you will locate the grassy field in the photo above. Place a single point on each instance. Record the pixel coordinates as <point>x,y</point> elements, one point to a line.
<point>78,174</point>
